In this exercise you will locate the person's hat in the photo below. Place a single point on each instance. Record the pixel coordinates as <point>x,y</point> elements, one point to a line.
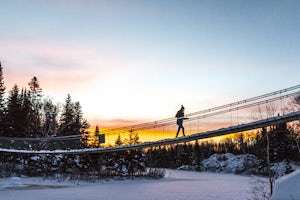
<point>182,107</point>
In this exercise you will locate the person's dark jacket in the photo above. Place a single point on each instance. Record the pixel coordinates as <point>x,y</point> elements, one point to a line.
<point>180,118</point>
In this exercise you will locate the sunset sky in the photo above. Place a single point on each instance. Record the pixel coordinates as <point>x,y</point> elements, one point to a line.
<point>133,61</point>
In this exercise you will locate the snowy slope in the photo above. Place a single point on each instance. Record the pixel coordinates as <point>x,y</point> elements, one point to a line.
<point>287,187</point>
<point>177,185</point>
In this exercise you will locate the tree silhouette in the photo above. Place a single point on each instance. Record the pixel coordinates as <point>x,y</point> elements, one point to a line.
<point>2,102</point>
<point>79,123</point>
<point>133,138</point>
<point>119,141</point>
<point>49,119</point>
<point>71,120</point>
<point>14,116</point>
<point>93,138</point>
<point>36,95</point>
<point>66,118</point>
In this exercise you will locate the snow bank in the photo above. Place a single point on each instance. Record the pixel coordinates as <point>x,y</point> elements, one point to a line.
<point>229,163</point>
<point>287,187</point>
<point>241,164</point>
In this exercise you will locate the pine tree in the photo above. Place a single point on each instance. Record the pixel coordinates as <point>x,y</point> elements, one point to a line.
<point>280,142</point>
<point>80,124</point>
<point>97,130</point>
<point>35,94</point>
<point>71,120</point>
<point>119,141</point>
<point>133,138</point>
<point>185,153</point>
<point>27,113</point>
<point>14,114</point>
<point>2,102</point>
<point>49,119</point>
<point>197,154</point>
<point>67,117</point>
<point>93,140</point>
<point>35,88</point>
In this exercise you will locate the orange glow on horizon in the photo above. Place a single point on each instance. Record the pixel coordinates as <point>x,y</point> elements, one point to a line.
<point>152,135</point>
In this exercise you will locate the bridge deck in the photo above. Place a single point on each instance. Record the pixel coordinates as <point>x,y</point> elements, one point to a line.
<point>198,136</point>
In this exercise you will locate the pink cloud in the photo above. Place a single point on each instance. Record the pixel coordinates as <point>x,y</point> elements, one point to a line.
<point>55,65</point>
<point>114,123</point>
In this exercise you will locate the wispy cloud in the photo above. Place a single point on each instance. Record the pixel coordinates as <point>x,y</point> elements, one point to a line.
<point>57,61</point>
<point>113,123</point>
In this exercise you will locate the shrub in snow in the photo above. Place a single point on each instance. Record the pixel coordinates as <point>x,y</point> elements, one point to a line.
<point>126,163</point>
<point>156,173</point>
<point>282,168</point>
<point>189,167</point>
<point>229,163</point>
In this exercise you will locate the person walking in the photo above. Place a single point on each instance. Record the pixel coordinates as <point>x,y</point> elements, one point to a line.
<point>180,118</point>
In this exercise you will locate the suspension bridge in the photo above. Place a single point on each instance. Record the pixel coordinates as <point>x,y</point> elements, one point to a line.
<point>250,114</point>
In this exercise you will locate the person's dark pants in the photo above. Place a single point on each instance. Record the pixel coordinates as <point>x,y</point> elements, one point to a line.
<point>180,126</point>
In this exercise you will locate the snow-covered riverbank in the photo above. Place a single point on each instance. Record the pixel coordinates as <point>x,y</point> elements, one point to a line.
<point>177,184</point>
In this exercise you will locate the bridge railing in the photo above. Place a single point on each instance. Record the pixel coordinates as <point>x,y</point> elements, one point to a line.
<point>245,111</point>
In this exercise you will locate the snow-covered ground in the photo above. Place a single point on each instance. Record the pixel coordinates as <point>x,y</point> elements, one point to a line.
<point>287,187</point>
<point>176,184</point>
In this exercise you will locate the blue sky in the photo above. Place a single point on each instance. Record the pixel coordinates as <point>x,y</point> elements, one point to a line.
<point>140,60</point>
